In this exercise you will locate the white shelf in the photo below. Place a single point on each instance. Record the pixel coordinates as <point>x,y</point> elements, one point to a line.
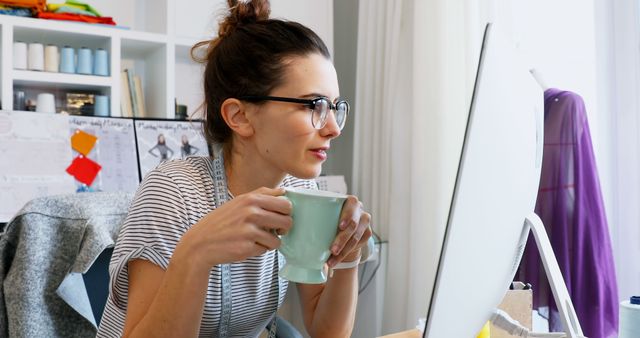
<point>60,80</point>
<point>157,50</point>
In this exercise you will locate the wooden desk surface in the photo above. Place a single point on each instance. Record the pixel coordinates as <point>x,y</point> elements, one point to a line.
<point>415,333</point>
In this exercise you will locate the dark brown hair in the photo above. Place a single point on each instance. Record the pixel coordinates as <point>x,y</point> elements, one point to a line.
<point>248,58</point>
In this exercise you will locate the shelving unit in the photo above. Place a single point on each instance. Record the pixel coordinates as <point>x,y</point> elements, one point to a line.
<point>156,47</point>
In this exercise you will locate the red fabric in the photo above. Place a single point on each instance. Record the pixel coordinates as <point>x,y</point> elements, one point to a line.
<point>84,169</point>
<point>76,17</point>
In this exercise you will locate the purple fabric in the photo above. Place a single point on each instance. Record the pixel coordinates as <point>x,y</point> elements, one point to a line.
<point>571,207</point>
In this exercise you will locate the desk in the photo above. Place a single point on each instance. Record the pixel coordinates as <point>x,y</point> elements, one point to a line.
<point>415,333</point>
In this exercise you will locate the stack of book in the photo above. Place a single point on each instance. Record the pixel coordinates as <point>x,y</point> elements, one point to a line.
<point>132,96</point>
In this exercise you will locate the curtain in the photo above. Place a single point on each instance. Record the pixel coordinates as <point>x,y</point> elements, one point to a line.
<point>415,73</point>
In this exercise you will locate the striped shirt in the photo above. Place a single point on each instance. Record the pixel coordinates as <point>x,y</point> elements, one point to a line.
<point>172,198</point>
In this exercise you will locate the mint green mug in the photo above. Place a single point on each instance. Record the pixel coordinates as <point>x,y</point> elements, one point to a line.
<point>307,245</point>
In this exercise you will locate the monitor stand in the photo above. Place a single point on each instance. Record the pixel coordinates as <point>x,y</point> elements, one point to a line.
<point>558,287</point>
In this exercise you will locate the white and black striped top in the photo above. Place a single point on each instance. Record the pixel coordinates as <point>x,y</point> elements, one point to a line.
<point>172,198</point>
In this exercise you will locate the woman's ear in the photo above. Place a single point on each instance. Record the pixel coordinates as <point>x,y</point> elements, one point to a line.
<point>234,113</point>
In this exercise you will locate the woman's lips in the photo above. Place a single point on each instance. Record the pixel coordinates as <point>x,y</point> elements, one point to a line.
<point>320,153</point>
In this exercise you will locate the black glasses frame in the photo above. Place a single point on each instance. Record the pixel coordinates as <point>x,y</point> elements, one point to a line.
<point>311,103</point>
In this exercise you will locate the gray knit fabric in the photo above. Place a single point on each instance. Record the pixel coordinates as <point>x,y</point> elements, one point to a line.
<point>43,252</point>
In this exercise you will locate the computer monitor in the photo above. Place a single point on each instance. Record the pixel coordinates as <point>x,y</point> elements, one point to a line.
<point>495,189</point>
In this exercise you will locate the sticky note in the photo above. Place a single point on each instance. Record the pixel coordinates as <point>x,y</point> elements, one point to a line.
<point>83,142</point>
<point>84,169</point>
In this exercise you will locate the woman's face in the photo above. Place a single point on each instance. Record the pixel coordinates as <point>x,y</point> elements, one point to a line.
<point>284,135</point>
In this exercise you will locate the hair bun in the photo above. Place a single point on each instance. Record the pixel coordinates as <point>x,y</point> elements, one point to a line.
<point>244,12</point>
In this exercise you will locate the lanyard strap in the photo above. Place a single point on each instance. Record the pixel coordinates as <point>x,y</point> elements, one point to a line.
<point>221,193</point>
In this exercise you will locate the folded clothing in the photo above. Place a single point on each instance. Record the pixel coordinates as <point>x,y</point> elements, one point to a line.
<point>71,6</point>
<point>25,12</point>
<point>36,5</point>
<point>76,17</point>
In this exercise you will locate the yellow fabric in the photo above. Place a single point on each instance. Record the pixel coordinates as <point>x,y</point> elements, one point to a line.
<point>485,332</point>
<point>55,7</point>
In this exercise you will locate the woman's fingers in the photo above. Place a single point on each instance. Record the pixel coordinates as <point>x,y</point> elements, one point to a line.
<point>358,240</point>
<point>268,199</point>
<point>266,239</point>
<point>350,212</point>
<point>348,226</point>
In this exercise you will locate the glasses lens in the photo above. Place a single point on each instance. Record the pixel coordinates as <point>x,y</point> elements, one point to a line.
<point>342,110</point>
<point>319,115</point>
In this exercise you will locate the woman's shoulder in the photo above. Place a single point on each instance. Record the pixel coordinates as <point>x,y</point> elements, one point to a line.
<point>294,182</point>
<point>191,173</point>
<point>191,166</point>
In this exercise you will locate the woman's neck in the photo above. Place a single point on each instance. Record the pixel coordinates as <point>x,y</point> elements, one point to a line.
<point>246,171</point>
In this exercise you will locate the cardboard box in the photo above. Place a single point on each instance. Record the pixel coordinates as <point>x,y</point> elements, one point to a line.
<point>519,305</point>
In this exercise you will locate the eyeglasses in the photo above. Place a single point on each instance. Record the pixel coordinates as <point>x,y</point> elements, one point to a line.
<point>319,106</point>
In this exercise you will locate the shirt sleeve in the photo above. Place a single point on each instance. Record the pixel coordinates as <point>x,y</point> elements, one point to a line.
<point>156,221</point>
<point>294,182</point>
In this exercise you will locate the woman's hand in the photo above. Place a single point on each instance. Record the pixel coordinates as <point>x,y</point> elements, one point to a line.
<point>354,232</point>
<point>241,228</point>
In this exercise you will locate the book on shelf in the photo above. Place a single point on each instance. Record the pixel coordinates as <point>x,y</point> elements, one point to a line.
<point>132,95</point>
<point>126,105</point>
<point>139,95</point>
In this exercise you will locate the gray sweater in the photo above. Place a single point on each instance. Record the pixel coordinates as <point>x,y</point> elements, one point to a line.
<point>44,250</point>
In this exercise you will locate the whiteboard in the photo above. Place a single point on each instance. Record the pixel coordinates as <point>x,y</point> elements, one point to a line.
<point>35,150</point>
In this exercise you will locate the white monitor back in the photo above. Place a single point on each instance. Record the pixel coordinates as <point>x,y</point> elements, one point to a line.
<point>496,188</point>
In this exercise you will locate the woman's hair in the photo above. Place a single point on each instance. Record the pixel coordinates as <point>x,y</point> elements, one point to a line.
<point>248,58</point>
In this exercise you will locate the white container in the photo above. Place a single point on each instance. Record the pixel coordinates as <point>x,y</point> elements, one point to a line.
<point>19,55</point>
<point>46,103</point>
<point>51,59</point>
<point>36,56</point>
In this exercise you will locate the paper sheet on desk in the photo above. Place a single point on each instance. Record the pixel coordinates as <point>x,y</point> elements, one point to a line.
<point>34,152</point>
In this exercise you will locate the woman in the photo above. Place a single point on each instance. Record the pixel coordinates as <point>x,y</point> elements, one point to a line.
<point>187,265</point>
<point>186,149</point>
<point>163,149</point>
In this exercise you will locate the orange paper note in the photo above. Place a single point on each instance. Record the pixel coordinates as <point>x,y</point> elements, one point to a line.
<point>83,142</point>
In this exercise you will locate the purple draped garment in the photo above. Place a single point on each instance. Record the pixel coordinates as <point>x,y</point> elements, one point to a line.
<point>570,205</point>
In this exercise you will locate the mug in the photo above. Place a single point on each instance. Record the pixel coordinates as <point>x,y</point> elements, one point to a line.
<point>101,105</point>
<point>46,103</point>
<point>307,245</point>
<point>19,55</point>
<point>36,56</point>
<point>51,58</point>
<point>67,60</point>
<point>85,61</point>
<point>101,63</point>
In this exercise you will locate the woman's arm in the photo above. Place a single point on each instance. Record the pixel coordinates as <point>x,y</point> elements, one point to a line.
<point>152,149</point>
<point>329,309</point>
<point>170,303</point>
<point>175,296</point>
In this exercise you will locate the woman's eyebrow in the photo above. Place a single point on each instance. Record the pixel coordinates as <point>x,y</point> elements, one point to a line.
<point>316,95</point>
